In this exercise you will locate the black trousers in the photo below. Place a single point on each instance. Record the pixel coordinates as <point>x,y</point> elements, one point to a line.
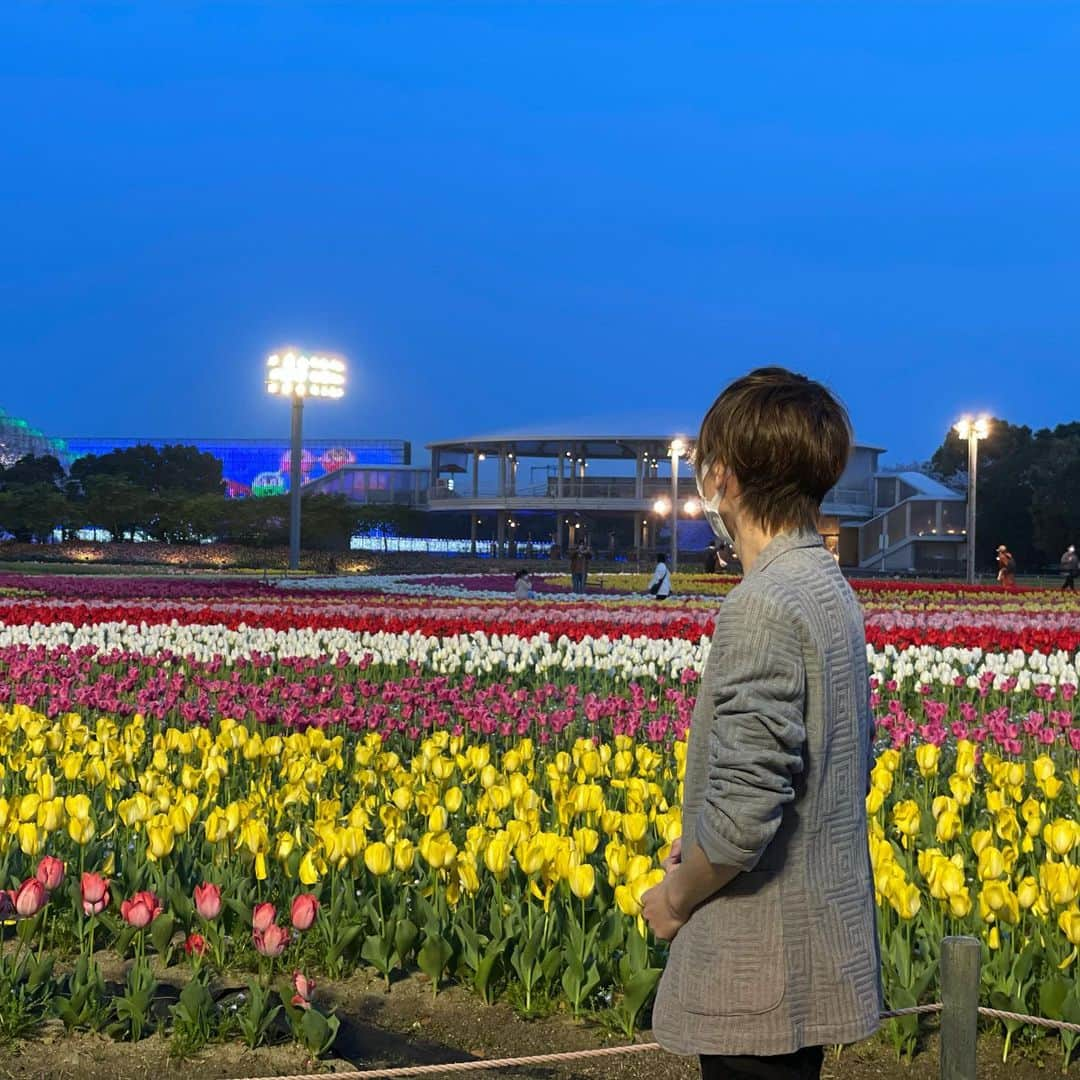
<point>804,1064</point>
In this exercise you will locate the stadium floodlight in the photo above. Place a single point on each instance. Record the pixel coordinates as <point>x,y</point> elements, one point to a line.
<point>297,375</point>
<point>675,451</point>
<point>972,429</point>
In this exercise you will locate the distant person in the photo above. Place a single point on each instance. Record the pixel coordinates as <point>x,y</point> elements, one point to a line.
<point>710,560</point>
<point>579,567</point>
<point>523,589</point>
<point>1006,567</point>
<point>660,586</point>
<point>1070,566</point>
<point>611,547</point>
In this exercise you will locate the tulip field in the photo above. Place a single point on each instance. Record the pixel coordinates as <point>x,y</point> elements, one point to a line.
<point>286,784</point>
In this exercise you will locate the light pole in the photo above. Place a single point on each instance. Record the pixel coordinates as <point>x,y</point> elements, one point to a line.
<point>973,430</point>
<point>297,375</point>
<point>676,450</point>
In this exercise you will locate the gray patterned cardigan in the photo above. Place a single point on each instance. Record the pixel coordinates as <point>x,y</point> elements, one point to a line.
<point>776,779</point>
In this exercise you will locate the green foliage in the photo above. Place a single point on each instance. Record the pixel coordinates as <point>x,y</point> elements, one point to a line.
<point>1028,494</point>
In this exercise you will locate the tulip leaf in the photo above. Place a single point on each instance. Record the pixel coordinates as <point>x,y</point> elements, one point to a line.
<point>405,935</point>
<point>345,940</point>
<point>161,932</point>
<point>433,958</point>
<point>1052,995</point>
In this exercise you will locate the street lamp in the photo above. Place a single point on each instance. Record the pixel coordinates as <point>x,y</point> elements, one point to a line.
<point>972,429</point>
<point>297,375</point>
<point>676,450</point>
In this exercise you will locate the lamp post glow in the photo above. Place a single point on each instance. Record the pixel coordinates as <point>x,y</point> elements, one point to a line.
<point>297,375</point>
<point>973,430</point>
<point>676,450</point>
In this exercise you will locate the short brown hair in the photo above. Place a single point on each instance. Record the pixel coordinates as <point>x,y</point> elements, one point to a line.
<point>787,440</point>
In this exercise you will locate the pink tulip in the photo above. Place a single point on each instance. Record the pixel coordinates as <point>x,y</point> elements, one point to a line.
<point>304,988</point>
<point>305,909</point>
<point>30,897</point>
<point>208,901</point>
<point>141,910</point>
<point>263,917</point>
<point>271,941</point>
<point>95,893</point>
<point>50,873</point>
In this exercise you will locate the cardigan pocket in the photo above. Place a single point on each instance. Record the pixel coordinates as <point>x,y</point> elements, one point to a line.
<point>730,955</point>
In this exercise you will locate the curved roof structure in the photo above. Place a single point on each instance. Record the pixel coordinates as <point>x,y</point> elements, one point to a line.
<point>18,439</point>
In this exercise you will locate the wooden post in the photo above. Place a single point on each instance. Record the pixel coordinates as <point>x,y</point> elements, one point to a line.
<point>960,958</point>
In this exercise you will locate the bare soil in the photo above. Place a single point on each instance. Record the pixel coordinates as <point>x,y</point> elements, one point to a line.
<point>408,1026</point>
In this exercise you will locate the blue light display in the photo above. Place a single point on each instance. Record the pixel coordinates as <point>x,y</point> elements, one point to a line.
<point>261,467</point>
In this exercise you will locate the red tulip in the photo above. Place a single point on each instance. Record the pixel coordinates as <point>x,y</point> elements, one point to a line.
<point>304,988</point>
<point>271,941</point>
<point>195,945</point>
<point>305,909</point>
<point>95,893</point>
<point>208,901</point>
<point>263,917</point>
<point>50,873</point>
<point>141,910</point>
<point>30,898</point>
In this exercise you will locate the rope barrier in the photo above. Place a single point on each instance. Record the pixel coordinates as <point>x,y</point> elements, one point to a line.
<point>609,1051</point>
<point>1023,1018</point>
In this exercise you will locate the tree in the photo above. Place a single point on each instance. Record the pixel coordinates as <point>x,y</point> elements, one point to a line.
<point>31,471</point>
<point>1028,490</point>
<point>115,504</point>
<point>174,469</point>
<point>31,512</point>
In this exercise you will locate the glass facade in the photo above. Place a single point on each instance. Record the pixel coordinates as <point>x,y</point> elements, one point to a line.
<point>261,467</point>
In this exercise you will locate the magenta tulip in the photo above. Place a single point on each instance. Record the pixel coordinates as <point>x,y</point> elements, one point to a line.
<point>305,909</point>
<point>50,873</point>
<point>30,897</point>
<point>208,901</point>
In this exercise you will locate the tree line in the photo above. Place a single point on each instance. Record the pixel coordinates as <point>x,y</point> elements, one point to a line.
<point>173,495</point>
<point>1028,490</point>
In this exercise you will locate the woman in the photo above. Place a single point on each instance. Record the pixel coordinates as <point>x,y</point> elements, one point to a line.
<point>1006,567</point>
<point>769,899</point>
<point>660,586</point>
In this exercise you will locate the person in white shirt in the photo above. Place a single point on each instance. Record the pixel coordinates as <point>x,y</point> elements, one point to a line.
<point>522,586</point>
<point>660,586</point>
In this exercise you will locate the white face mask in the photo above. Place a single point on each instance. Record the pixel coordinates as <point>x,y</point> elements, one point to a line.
<point>711,509</point>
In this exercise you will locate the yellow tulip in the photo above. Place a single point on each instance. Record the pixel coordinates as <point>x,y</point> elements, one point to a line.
<point>962,788</point>
<point>926,757</point>
<point>991,865</point>
<point>1027,893</point>
<point>960,904</point>
<point>378,858</point>
<point>1069,922</point>
<point>948,827</point>
<point>404,854</point>
<point>312,868</point>
<point>626,901</point>
<point>583,881</point>
<point>1060,836</point>
<point>467,876</point>
<point>1052,787</point>
<point>497,855</point>
<point>981,839</point>
<point>1043,768</point>
<point>634,827</point>
<point>29,838</point>
<point>82,832</point>
<point>906,819</point>
<point>160,838</point>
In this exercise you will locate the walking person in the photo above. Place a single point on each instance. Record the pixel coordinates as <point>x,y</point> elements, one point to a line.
<point>579,567</point>
<point>660,586</point>
<point>1006,567</point>
<point>1070,566</point>
<point>768,900</point>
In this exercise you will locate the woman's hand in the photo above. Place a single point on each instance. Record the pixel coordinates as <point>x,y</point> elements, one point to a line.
<point>664,921</point>
<point>674,855</point>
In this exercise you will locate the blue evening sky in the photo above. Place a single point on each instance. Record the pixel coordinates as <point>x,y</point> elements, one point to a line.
<point>521,215</point>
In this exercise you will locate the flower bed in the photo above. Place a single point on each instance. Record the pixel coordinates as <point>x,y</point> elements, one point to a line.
<point>481,790</point>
